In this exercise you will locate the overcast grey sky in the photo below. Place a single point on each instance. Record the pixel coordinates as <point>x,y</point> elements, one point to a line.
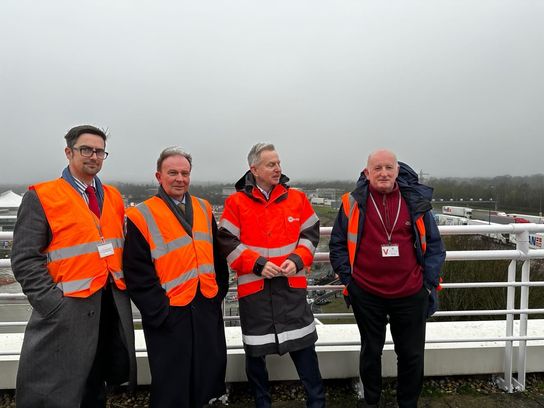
<point>456,88</point>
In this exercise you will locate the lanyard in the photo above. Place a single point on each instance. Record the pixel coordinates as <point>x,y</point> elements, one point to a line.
<point>98,226</point>
<point>387,233</point>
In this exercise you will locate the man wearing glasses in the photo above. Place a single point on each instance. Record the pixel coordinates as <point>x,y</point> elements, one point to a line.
<point>67,252</point>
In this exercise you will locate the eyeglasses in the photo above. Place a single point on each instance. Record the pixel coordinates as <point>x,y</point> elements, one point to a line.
<point>87,151</point>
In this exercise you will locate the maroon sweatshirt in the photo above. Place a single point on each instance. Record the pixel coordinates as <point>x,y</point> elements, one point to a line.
<point>389,277</point>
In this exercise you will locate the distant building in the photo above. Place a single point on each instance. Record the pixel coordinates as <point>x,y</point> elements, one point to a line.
<point>328,197</point>
<point>227,191</point>
<point>330,193</point>
<point>9,204</point>
<point>317,201</point>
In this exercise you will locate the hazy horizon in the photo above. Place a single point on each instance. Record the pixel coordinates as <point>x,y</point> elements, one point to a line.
<point>291,181</point>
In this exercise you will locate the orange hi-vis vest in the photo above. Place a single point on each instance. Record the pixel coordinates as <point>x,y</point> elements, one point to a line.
<point>73,260</point>
<point>351,210</point>
<point>181,261</point>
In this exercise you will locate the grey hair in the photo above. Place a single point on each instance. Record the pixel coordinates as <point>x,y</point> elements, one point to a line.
<point>255,153</point>
<point>173,151</point>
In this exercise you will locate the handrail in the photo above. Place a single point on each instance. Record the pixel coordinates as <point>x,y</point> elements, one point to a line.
<point>6,235</point>
<point>521,253</point>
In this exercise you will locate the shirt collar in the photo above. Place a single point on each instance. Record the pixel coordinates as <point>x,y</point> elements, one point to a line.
<point>82,186</point>
<point>178,202</point>
<point>265,193</point>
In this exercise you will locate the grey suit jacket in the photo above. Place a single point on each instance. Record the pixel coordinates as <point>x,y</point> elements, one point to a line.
<point>62,334</point>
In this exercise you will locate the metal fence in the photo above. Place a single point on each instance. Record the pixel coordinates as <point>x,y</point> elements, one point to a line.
<point>522,253</point>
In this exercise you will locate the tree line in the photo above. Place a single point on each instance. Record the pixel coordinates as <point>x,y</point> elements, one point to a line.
<point>524,194</point>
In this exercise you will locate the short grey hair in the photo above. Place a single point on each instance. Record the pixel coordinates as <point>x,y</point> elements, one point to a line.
<point>254,155</point>
<point>173,151</point>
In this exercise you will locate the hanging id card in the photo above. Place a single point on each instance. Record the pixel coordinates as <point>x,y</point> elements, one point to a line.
<point>390,250</point>
<point>105,250</point>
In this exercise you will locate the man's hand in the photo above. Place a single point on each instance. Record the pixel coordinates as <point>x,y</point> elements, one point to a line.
<point>271,270</point>
<point>288,268</point>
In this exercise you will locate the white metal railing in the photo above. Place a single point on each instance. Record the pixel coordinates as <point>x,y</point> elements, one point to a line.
<point>5,236</point>
<point>521,253</point>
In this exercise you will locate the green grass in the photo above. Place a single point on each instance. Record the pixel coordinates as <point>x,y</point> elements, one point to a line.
<point>326,215</point>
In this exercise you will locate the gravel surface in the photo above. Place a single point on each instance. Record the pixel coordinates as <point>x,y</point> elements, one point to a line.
<point>451,392</point>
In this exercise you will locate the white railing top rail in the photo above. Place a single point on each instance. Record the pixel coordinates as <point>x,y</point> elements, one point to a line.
<point>444,229</point>
<point>6,235</point>
<point>522,252</point>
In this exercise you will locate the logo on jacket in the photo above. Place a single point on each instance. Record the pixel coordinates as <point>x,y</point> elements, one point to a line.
<point>292,219</point>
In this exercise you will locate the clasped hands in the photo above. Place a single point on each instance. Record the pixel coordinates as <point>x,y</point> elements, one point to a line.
<point>271,270</point>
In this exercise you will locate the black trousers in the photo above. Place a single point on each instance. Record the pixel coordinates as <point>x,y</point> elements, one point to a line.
<point>307,366</point>
<point>407,317</point>
<point>187,355</point>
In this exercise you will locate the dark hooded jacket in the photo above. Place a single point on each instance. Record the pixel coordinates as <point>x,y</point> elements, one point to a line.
<point>418,198</point>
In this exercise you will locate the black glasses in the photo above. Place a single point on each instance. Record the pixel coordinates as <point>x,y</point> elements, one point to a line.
<point>87,151</point>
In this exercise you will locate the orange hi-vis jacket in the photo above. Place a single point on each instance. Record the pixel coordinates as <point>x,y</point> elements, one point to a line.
<point>182,262</point>
<point>351,210</point>
<point>275,230</point>
<point>73,260</point>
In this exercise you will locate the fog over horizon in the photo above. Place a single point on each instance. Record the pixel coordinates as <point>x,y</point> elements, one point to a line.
<point>455,88</point>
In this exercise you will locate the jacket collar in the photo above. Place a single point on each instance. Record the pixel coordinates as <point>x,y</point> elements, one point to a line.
<point>248,186</point>
<point>186,220</point>
<point>66,175</point>
<point>418,196</point>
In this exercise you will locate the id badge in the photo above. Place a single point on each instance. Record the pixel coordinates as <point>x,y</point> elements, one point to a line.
<point>390,250</point>
<point>105,250</point>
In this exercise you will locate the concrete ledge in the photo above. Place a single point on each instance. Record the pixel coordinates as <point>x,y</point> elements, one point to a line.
<point>342,361</point>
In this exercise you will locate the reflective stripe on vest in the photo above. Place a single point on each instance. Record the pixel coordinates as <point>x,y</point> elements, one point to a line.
<point>309,222</point>
<point>260,340</point>
<point>268,252</point>
<point>251,277</point>
<point>193,273</point>
<point>75,285</point>
<point>118,275</point>
<point>162,248</point>
<point>296,334</point>
<point>235,253</point>
<point>81,249</point>
<point>306,243</point>
<point>68,287</point>
<point>274,252</point>
<point>230,227</point>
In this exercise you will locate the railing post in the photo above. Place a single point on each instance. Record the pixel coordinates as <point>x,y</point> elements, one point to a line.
<point>522,244</point>
<point>505,383</point>
<point>523,304</point>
